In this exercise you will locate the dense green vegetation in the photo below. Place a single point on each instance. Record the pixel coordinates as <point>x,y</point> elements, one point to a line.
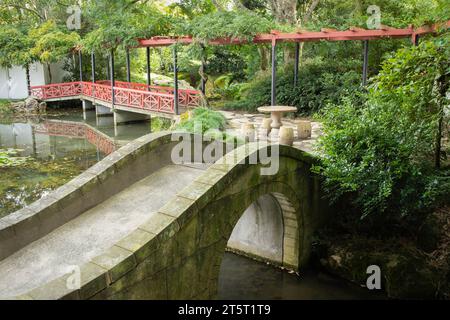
<point>388,149</point>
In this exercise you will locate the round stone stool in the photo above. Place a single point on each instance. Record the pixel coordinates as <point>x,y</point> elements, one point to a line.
<point>248,131</point>
<point>286,136</point>
<point>266,126</point>
<point>304,129</point>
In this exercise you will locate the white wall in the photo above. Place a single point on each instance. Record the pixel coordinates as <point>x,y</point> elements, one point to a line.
<point>13,82</point>
<point>4,86</point>
<point>18,83</point>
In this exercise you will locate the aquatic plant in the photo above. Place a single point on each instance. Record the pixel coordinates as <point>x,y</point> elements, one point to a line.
<point>10,158</point>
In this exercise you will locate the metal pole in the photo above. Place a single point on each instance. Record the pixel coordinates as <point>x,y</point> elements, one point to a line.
<point>203,83</point>
<point>80,62</point>
<point>148,67</point>
<point>128,66</point>
<point>93,66</point>
<point>274,71</point>
<point>108,68</point>
<point>175,79</point>
<point>112,77</point>
<point>366,62</point>
<point>297,58</point>
<point>415,39</point>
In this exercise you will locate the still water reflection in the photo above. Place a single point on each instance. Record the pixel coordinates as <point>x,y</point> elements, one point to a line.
<point>58,148</point>
<point>243,278</point>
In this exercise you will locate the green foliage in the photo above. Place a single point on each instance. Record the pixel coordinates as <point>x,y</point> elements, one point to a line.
<point>14,46</point>
<point>381,150</point>
<point>203,120</point>
<point>342,14</point>
<point>10,158</point>
<point>51,44</point>
<point>160,124</point>
<point>319,83</point>
<point>121,23</point>
<point>242,25</point>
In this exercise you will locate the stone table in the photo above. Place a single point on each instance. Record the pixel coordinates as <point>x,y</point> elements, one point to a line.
<point>276,112</point>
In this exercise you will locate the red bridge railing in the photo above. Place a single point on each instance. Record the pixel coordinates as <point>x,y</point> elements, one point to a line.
<point>77,130</point>
<point>129,94</point>
<point>187,97</point>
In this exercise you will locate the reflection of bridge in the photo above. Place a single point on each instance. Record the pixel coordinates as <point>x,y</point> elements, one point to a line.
<point>80,130</point>
<point>136,225</point>
<point>126,97</point>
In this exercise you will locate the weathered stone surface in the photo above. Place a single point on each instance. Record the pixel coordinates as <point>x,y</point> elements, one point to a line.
<point>93,279</point>
<point>140,243</point>
<point>177,251</point>
<point>117,261</point>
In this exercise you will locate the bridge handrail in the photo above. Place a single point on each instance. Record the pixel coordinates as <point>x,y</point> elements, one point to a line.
<point>30,223</point>
<point>138,248</point>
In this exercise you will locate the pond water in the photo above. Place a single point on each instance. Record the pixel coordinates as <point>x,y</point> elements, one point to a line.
<point>244,279</point>
<point>58,148</point>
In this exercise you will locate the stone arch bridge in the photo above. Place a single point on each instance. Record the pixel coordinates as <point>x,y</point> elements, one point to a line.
<point>138,226</point>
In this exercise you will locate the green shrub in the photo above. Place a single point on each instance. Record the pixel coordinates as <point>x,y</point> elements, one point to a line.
<point>319,83</point>
<point>160,124</point>
<point>382,151</point>
<point>202,120</point>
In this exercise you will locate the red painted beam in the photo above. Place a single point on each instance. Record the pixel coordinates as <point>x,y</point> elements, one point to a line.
<point>327,34</point>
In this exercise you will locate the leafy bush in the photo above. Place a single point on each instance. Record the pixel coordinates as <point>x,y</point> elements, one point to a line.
<point>319,83</point>
<point>160,124</point>
<point>203,120</point>
<point>221,24</point>
<point>382,150</point>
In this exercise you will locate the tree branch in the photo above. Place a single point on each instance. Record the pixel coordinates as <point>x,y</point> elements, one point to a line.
<point>310,10</point>
<point>23,8</point>
<point>217,5</point>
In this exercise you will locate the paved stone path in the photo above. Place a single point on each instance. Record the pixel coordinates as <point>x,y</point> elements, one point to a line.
<point>236,120</point>
<point>85,237</point>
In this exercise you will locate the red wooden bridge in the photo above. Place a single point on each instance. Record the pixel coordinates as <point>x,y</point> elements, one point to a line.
<point>138,96</point>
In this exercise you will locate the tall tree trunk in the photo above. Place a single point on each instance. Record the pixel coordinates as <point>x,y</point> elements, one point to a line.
<point>285,12</point>
<point>264,56</point>
<point>443,85</point>
<point>306,18</point>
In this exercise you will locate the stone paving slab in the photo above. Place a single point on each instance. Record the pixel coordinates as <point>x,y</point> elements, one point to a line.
<point>236,120</point>
<point>92,233</point>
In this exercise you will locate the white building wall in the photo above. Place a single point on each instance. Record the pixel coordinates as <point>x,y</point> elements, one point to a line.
<point>18,83</point>
<point>4,86</point>
<point>13,81</point>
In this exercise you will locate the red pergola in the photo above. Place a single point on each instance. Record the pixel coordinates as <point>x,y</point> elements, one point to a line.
<point>274,37</point>
<point>354,33</point>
